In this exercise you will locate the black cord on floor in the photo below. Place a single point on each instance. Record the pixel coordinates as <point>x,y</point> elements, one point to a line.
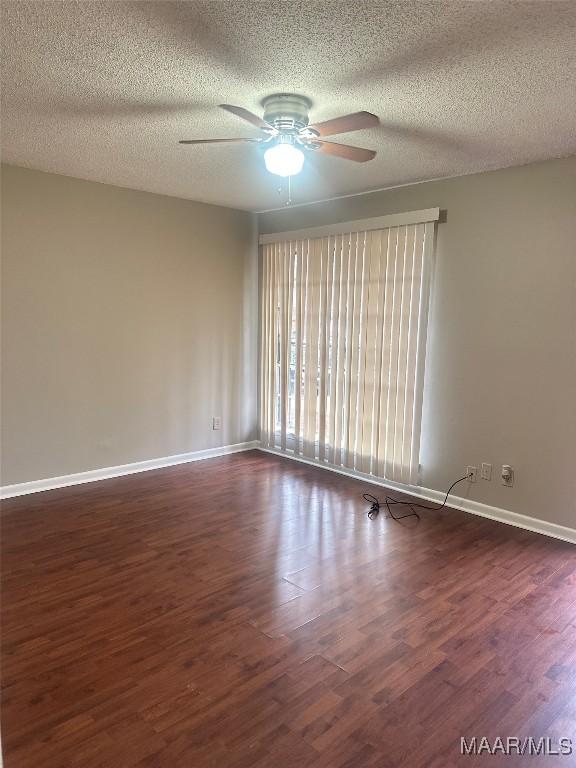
<point>374,510</point>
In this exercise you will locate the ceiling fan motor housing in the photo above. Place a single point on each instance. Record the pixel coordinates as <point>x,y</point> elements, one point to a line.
<point>286,111</point>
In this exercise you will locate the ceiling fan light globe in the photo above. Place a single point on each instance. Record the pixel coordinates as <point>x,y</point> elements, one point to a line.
<point>284,160</point>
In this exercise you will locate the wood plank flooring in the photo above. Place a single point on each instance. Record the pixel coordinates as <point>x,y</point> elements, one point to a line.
<point>243,611</point>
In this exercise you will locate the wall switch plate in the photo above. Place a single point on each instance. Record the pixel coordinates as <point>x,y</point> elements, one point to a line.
<point>507,475</point>
<point>216,422</point>
<point>486,472</point>
<point>473,472</point>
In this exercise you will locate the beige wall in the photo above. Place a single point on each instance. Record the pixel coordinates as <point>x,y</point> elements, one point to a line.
<point>129,320</point>
<point>501,364</point>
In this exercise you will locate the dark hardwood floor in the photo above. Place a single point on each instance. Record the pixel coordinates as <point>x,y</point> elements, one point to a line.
<point>244,612</point>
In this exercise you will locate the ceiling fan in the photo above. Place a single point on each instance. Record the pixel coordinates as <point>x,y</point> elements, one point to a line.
<point>288,134</point>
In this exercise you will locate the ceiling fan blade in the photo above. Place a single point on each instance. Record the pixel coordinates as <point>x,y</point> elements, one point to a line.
<point>354,122</point>
<point>244,114</point>
<point>220,141</point>
<point>358,154</point>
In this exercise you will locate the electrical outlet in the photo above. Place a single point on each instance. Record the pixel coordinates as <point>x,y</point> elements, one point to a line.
<point>507,475</point>
<point>486,473</point>
<point>473,474</point>
<point>216,422</point>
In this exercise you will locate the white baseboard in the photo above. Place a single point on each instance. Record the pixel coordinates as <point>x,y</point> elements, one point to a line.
<point>35,486</point>
<point>456,502</point>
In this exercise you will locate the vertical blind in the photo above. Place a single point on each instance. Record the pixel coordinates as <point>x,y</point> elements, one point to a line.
<point>344,320</point>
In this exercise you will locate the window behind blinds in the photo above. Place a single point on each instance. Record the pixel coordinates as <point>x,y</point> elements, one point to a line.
<point>344,321</point>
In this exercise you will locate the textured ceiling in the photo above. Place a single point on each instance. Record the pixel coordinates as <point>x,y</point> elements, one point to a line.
<point>105,90</point>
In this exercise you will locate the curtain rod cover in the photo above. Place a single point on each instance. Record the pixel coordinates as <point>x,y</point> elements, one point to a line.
<point>361,225</point>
